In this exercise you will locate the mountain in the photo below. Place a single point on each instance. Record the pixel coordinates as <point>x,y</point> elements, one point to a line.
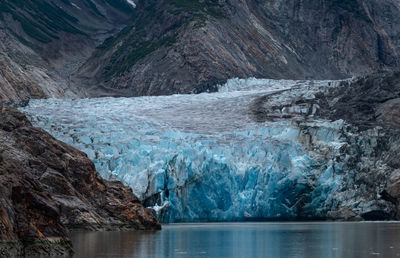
<point>185,46</point>
<point>43,41</point>
<point>89,48</point>
<point>47,186</point>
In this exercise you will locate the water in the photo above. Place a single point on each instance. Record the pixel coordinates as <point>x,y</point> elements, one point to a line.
<point>246,240</point>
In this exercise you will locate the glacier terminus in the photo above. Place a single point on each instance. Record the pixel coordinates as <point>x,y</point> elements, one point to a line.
<point>256,149</point>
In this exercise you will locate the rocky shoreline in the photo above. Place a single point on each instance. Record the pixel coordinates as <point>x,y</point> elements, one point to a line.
<point>47,187</point>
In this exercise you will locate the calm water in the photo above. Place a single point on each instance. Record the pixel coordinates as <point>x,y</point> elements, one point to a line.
<point>246,240</point>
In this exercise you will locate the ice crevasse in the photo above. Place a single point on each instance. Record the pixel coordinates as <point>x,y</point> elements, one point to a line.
<point>206,157</point>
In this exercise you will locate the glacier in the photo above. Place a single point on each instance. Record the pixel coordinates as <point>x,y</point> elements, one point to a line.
<point>206,157</point>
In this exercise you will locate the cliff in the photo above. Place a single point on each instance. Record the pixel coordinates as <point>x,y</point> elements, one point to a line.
<point>47,186</point>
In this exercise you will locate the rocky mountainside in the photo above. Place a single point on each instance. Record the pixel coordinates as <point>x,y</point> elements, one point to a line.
<point>54,48</point>
<point>47,186</point>
<point>184,46</point>
<point>43,41</point>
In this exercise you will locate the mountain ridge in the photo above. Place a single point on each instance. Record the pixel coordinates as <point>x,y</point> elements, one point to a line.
<point>107,48</point>
<point>185,46</point>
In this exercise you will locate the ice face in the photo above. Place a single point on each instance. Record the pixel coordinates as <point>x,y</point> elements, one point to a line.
<point>203,157</point>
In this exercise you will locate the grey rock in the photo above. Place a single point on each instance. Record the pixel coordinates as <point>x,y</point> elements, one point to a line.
<point>368,158</point>
<point>191,49</point>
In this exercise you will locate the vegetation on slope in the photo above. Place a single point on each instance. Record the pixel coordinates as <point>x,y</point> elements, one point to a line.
<point>166,19</point>
<point>41,20</point>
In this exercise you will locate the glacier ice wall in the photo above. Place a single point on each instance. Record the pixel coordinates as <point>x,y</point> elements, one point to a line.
<point>203,157</point>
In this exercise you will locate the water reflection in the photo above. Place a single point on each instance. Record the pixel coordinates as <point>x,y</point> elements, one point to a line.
<point>284,240</point>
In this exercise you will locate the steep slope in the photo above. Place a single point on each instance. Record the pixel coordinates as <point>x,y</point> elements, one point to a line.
<point>183,46</point>
<point>43,41</point>
<point>46,186</point>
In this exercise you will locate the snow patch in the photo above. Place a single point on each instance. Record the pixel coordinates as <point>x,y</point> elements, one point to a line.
<point>131,3</point>
<point>76,6</point>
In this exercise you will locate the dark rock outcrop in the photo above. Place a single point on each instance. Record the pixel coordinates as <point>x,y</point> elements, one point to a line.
<point>367,102</point>
<point>46,186</point>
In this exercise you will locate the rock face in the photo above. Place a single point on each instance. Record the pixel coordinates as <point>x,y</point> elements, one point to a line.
<point>256,149</point>
<point>56,48</point>
<point>43,41</point>
<point>46,186</point>
<point>190,46</point>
